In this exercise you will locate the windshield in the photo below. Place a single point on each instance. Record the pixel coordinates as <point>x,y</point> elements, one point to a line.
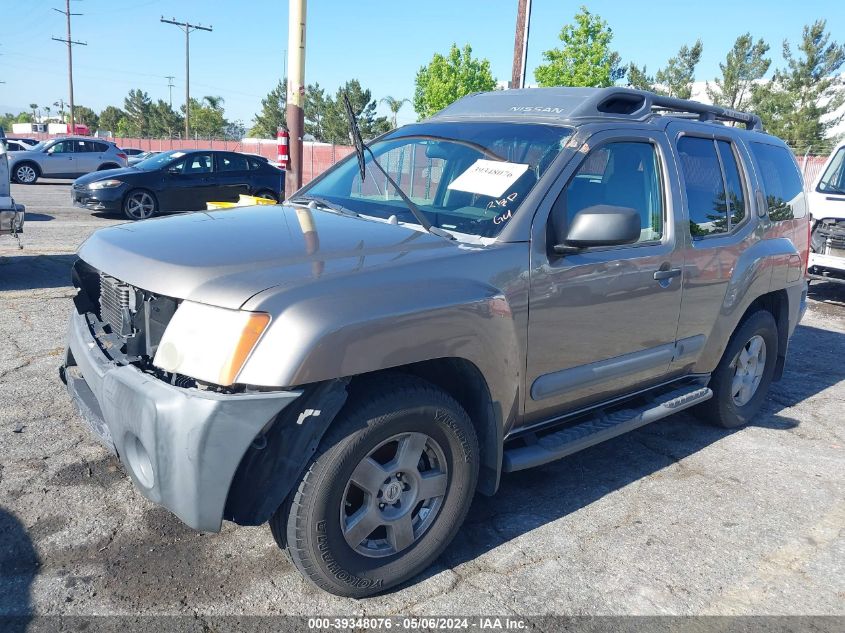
<point>157,161</point>
<point>833,179</point>
<point>465,177</point>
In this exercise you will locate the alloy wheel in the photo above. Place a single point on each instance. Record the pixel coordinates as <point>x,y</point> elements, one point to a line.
<point>25,174</point>
<point>140,205</point>
<point>748,365</point>
<point>394,495</point>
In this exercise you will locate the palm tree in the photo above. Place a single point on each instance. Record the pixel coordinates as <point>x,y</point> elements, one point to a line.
<point>215,103</point>
<point>33,107</point>
<point>394,105</point>
<point>47,110</point>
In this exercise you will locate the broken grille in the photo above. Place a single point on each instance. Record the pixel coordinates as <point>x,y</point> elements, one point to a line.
<point>117,301</point>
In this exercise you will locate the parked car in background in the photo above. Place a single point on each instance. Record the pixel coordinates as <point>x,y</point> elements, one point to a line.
<point>14,145</point>
<point>178,180</point>
<point>137,158</point>
<point>28,142</point>
<point>68,157</point>
<point>557,267</point>
<point>827,210</point>
<point>132,151</point>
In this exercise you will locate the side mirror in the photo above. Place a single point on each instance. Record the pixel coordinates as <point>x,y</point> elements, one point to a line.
<point>599,225</point>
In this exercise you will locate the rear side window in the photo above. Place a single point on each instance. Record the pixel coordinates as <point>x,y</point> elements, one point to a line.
<point>232,162</point>
<point>781,181</point>
<point>715,196</point>
<point>93,146</point>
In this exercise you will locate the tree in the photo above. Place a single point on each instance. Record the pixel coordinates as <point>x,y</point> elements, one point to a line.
<point>639,78</point>
<point>86,116</point>
<point>585,59</point>
<point>110,117</point>
<point>447,79</point>
<point>316,107</point>
<point>136,108</point>
<point>34,108</point>
<point>798,104</point>
<point>272,113</point>
<point>207,118</point>
<point>335,123</point>
<point>164,121</point>
<point>745,63</point>
<point>676,79</point>
<point>394,105</point>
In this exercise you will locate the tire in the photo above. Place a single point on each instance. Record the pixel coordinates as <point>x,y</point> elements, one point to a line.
<point>374,440</point>
<point>729,408</point>
<point>267,194</point>
<point>140,204</point>
<point>26,173</point>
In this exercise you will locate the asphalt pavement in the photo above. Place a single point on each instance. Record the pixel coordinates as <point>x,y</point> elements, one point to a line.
<point>676,518</point>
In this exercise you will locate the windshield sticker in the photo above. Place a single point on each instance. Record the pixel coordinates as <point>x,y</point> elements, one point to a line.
<point>488,177</point>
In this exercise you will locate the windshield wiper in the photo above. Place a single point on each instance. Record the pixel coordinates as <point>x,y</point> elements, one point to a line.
<point>360,146</point>
<point>332,206</point>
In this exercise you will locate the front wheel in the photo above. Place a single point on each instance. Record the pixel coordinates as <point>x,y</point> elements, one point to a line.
<point>741,380</point>
<point>267,195</point>
<point>26,174</point>
<point>139,205</point>
<point>386,491</point>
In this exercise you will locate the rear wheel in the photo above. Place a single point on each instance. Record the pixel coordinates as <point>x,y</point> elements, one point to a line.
<point>267,195</point>
<point>741,380</point>
<point>386,491</point>
<point>139,204</point>
<point>26,173</point>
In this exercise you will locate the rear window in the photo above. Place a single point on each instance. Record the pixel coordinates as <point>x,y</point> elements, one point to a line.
<point>782,183</point>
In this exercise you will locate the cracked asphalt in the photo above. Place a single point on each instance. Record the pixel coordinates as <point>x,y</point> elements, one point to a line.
<point>676,518</point>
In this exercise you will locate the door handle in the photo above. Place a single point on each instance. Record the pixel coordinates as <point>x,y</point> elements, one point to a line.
<point>662,275</point>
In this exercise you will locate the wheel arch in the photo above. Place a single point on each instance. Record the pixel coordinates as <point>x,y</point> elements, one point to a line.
<point>777,304</point>
<point>29,162</point>
<point>277,458</point>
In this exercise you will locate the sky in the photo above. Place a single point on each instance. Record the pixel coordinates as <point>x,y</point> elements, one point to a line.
<point>382,43</point>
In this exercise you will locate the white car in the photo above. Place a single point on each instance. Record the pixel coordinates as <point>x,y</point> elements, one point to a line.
<point>827,212</point>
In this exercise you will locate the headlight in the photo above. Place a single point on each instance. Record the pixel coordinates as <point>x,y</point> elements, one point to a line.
<point>105,184</point>
<point>209,343</point>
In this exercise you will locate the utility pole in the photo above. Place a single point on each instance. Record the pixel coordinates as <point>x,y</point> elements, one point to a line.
<point>520,43</point>
<point>170,85</point>
<point>295,113</point>
<point>70,44</point>
<point>187,27</point>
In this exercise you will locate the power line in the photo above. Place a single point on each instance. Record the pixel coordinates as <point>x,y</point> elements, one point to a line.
<point>187,27</point>
<point>70,44</point>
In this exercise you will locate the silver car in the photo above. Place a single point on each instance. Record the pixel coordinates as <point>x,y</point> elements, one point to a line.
<point>68,157</point>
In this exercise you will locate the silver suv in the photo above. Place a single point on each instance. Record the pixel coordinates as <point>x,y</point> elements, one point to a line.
<point>67,157</point>
<point>519,277</point>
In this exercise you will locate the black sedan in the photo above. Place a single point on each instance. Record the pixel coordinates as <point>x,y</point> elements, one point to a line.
<point>178,180</point>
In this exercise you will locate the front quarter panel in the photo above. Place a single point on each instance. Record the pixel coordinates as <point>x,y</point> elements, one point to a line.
<point>355,326</point>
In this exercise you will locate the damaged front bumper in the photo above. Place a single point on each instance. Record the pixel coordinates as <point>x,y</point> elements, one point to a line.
<point>181,446</point>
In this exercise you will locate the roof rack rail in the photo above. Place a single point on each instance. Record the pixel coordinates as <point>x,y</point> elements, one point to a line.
<point>706,112</point>
<point>641,105</point>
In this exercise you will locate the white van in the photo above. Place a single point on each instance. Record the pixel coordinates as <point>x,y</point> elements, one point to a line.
<point>827,211</point>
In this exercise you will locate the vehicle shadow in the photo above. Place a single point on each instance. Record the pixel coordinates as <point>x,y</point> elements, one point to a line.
<point>529,499</point>
<point>27,272</point>
<point>827,292</point>
<point>19,565</point>
<point>39,217</point>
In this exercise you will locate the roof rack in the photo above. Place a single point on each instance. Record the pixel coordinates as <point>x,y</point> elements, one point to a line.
<point>641,104</point>
<point>570,104</point>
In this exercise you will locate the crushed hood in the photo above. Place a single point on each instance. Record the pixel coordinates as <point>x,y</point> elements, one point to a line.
<point>225,257</point>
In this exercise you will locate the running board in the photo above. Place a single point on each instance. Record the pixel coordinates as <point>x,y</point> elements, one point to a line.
<point>604,426</point>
